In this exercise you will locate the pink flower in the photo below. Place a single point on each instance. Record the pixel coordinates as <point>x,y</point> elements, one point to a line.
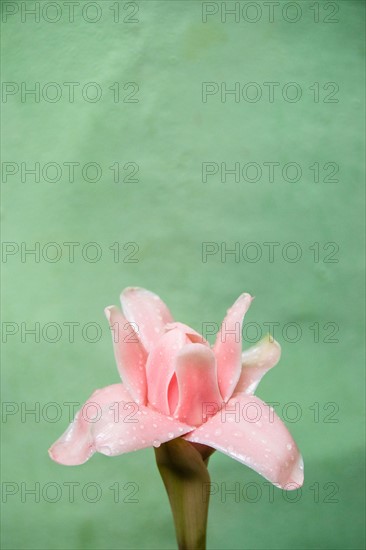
<point>176,385</point>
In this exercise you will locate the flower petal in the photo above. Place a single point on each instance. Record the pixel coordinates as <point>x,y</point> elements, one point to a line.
<point>197,383</point>
<point>76,445</point>
<point>249,431</point>
<point>228,346</point>
<point>194,337</point>
<point>129,353</point>
<point>160,368</point>
<point>148,311</point>
<point>134,427</point>
<point>256,361</point>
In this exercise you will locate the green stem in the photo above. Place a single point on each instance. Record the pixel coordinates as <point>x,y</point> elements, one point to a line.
<point>183,468</point>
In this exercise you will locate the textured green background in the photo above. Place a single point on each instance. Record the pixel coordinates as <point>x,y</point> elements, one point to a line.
<point>169,212</point>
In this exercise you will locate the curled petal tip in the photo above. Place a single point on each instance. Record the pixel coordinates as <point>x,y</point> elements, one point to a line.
<point>256,361</point>
<point>245,296</point>
<point>297,474</point>
<point>51,454</point>
<point>270,346</point>
<point>127,288</point>
<point>62,454</point>
<point>276,344</point>
<point>54,455</point>
<point>268,339</point>
<point>293,479</point>
<point>108,312</point>
<point>130,289</point>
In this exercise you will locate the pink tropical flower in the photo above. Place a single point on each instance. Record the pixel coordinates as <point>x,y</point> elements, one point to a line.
<point>176,385</point>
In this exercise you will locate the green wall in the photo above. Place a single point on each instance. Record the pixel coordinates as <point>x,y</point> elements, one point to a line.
<point>161,73</point>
